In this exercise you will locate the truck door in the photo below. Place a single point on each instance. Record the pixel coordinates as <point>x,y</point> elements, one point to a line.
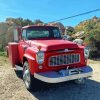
<point>22,45</point>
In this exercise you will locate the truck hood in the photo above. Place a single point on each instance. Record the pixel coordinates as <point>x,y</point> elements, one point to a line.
<point>49,45</point>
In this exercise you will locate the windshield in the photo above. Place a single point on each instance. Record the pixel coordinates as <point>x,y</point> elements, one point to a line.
<point>43,32</point>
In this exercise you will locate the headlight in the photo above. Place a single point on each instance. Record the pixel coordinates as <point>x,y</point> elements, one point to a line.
<point>86,53</point>
<point>40,57</point>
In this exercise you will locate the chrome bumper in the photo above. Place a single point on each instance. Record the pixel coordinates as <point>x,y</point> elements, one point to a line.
<point>64,75</point>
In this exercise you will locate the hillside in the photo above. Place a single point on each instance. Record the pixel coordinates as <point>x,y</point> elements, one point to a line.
<point>90,27</point>
<point>91,36</point>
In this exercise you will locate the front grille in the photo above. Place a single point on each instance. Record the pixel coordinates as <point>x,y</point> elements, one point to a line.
<point>64,59</point>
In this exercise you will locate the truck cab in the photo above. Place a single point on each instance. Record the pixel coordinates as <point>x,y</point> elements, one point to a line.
<point>45,56</point>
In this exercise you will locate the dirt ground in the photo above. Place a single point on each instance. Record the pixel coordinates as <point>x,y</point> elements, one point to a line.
<point>12,87</point>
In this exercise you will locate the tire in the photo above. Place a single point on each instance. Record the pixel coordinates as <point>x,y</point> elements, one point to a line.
<point>27,77</point>
<point>80,81</point>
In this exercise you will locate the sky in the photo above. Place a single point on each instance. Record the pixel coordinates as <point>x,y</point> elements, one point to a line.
<point>49,10</point>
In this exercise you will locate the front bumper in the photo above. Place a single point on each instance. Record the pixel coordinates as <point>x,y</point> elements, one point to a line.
<point>64,75</point>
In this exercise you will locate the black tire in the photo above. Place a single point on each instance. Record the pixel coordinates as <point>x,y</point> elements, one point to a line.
<point>27,77</point>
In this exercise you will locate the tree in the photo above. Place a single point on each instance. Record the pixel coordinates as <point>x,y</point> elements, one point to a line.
<point>69,30</point>
<point>19,21</point>
<point>59,25</point>
<point>38,21</point>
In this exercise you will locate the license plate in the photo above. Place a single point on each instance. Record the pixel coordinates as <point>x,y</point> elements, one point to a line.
<point>75,71</point>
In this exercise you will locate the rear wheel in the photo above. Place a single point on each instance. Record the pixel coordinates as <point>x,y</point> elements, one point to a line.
<point>27,77</point>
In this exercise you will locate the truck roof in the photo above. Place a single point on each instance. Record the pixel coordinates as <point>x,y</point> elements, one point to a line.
<point>38,26</point>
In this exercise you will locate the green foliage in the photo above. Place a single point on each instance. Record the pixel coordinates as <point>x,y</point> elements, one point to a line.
<point>2,53</point>
<point>37,21</point>
<point>1,48</point>
<point>70,30</point>
<point>19,21</point>
<point>91,28</point>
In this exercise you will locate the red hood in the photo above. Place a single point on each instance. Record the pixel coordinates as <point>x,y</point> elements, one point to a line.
<point>48,45</point>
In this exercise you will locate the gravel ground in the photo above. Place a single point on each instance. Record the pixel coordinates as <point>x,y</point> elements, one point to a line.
<point>12,87</point>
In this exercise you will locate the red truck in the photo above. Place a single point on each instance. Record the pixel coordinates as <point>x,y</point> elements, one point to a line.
<point>45,56</point>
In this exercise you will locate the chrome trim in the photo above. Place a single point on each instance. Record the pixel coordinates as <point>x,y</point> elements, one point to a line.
<point>65,50</point>
<point>55,77</point>
<point>64,59</point>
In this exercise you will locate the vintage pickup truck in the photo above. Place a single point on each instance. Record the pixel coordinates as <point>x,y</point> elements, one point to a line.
<point>45,56</point>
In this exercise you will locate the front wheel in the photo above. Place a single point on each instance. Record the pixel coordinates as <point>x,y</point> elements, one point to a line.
<point>27,77</point>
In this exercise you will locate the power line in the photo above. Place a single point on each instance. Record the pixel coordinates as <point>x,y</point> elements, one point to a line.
<point>68,17</point>
<point>75,15</point>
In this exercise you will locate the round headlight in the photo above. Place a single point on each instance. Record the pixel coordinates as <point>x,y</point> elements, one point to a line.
<point>86,53</point>
<point>40,57</point>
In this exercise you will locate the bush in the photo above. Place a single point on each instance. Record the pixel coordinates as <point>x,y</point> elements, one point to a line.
<point>94,54</point>
<point>2,53</point>
<point>1,48</point>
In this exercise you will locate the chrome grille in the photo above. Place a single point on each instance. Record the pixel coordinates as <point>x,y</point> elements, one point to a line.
<point>64,59</point>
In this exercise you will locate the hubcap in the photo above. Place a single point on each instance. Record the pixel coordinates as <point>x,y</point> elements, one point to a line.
<point>26,76</point>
